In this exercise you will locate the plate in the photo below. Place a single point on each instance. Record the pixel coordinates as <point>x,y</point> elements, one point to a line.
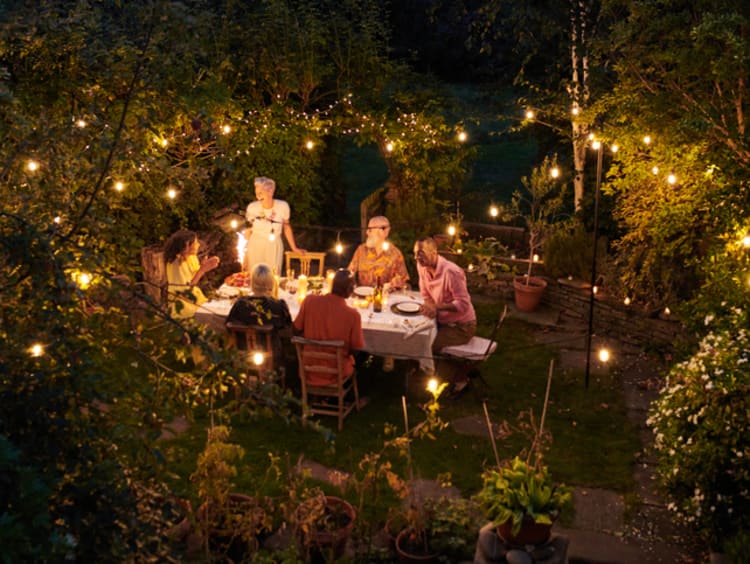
<point>226,291</point>
<point>238,280</point>
<point>406,308</point>
<point>364,291</point>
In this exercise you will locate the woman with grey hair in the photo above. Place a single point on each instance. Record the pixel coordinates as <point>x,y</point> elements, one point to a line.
<point>268,218</point>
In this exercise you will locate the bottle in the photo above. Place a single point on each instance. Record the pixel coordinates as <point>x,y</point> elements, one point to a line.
<point>377,297</point>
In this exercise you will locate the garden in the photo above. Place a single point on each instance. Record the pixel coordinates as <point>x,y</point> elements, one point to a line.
<point>605,144</point>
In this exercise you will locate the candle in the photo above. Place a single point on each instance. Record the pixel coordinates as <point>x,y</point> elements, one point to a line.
<point>329,280</point>
<point>302,290</point>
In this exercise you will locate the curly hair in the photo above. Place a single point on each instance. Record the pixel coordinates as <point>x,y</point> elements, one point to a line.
<point>177,243</point>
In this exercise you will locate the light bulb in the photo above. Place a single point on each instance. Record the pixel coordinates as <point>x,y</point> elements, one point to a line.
<point>575,111</point>
<point>672,179</point>
<point>596,145</point>
<point>746,241</point>
<point>494,211</point>
<point>595,289</point>
<point>626,301</point>
<point>614,148</point>
<point>667,311</point>
<point>389,147</point>
<point>81,123</point>
<point>339,248</point>
<point>655,170</point>
<point>462,136</point>
<point>535,258</point>
<point>257,358</point>
<point>529,114</point>
<point>432,385</point>
<point>272,237</point>
<point>385,245</point>
<point>83,280</point>
<point>171,193</point>
<point>119,186</point>
<point>603,355</point>
<point>32,166</point>
<point>36,350</point>
<point>309,145</point>
<point>164,142</point>
<point>233,224</point>
<point>451,230</point>
<point>554,172</point>
<point>647,139</point>
<point>226,129</point>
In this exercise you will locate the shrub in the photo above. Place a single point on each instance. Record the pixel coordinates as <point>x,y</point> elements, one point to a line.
<point>701,423</point>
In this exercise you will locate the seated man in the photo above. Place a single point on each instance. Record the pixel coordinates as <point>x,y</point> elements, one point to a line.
<point>442,283</point>
<point>378,258</point>
<point>328,318</point>
<point>262,308</point>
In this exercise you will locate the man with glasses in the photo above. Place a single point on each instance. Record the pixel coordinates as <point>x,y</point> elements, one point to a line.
<point>378,258</point>
<point>442,284</point>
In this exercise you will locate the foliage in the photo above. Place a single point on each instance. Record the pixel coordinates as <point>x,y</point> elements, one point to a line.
<point>518,490</point>
<point>485,257</point>
<point>567,252</point>
<point>701,424</point>
<point>540,204</point>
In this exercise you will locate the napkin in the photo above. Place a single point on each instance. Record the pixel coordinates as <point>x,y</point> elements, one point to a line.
<point>419,327</point>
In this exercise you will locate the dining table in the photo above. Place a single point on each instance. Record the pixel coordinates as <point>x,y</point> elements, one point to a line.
<point>399,330</point>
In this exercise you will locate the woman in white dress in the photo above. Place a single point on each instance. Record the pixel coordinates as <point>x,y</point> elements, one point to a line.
<point>267,218</point>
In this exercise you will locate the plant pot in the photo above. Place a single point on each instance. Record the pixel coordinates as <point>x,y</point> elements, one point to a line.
<point>528,292</point>
<point>411,551</point>
<point>530,532</point>
<point>329,536</point>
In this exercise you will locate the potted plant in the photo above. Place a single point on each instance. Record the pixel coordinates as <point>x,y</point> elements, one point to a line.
<point>538,205</point>
<point>324,524</point>
<point>521,500</point>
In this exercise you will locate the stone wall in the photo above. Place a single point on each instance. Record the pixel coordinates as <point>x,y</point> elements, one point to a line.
<point>630,324</point>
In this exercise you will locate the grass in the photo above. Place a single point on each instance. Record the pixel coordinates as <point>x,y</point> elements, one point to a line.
<point>590,429</point>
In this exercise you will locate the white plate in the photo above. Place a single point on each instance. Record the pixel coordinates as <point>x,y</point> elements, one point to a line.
<point>408,307</point>
<point>228,291</point>
<point>364,291</point>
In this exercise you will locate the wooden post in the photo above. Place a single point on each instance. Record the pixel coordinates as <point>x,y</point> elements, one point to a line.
<point>154,272</point>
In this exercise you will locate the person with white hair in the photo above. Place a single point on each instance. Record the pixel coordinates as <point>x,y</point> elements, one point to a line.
<point>268,218</point>
<point>378,258</point>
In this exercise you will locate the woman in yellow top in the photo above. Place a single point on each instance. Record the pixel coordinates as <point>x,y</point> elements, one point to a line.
<point>184,271</point>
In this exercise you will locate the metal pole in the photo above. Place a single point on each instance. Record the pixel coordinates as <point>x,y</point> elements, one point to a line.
<point>593,262</point>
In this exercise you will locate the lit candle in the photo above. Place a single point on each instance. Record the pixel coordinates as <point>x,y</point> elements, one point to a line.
<point>302,289</point>
<point>329,280</point>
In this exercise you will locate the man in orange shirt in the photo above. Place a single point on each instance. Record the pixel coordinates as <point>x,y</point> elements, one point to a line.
<point>329,318</point>
<point>379,258</point>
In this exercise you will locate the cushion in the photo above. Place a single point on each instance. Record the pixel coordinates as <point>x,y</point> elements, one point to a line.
<point>475,349</point>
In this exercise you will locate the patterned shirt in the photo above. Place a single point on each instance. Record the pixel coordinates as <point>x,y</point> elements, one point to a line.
<point>368,264</point>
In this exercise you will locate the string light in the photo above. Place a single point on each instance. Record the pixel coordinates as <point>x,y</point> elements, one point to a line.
<point>746,241</point>
<point>451,230</point>
<point>57,219</point>
<point>529,114</point>
<point>672,179</point>
<point>494,211</point>
<point>233,224</point>
<point>604,355</point>
<point>36,350</point>
<point>614,148</point>
<point>257,358</point>
<point>626,301</point>
<point>462,136</point>
<point>432,385</point>
<point>81,123</point>
<point>227,129</point>
<point>82,280</point>
<point>272,237</point>
<point>596,145</point>
<point>171,193</point>
<point>667,311</point>
<point>575,111</point>
<point>32,165</point>
<point>655,170</point>
<point>591,136</point>
<point>339,247</point>
<point>309,145</point>
<point>119,186</point>
<point>647,139</point>
<point>164,142</point>
<point>595,289</point>
<point>385,246</point>
<point>389,147</point>
<point>554,172</point>
<point>535,258</point>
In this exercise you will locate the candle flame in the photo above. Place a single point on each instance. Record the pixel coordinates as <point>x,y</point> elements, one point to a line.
<point>241,245</point>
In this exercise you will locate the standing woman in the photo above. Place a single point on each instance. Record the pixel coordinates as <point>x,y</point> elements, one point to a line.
<point>267,218</point>
<point>184,271</point>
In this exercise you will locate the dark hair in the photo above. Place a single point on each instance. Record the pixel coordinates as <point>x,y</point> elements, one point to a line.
<point>177,243</point>
<point>343,283</point>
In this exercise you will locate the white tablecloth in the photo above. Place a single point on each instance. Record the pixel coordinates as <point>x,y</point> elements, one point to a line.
<point>386,333</point>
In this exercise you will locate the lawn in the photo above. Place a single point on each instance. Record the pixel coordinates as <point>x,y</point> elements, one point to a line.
<point>589,427</point>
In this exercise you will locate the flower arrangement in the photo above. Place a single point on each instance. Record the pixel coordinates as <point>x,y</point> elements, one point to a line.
<point>701,425</point>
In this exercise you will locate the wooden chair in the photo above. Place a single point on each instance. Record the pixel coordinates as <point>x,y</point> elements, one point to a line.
<point>478,349</point>
<point>325,357</point>
<point>255,339</point>
<point>304,262</point>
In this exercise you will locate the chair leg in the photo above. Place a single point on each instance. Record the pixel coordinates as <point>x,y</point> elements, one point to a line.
<point>356,391</point>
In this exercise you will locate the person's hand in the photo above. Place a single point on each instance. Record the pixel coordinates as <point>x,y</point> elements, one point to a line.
<point>397,282</point>
<point>210,263</point>
<point>300,251</point>
<point>429,309</point>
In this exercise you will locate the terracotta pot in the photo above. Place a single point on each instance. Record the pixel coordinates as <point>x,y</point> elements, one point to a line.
<point>410,552</point>
<point>531,532</point>
<point>528,295</point>
<point>329,541</point>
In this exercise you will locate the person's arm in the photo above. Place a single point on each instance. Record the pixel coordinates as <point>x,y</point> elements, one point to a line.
<point>289,234</point>
<point>207,265</point>
<point>455,283</point>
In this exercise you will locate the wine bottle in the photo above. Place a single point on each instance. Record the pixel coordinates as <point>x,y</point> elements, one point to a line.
<point>377,297</point>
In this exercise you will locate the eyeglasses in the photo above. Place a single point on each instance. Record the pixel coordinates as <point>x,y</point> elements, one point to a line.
<point>383,227</point>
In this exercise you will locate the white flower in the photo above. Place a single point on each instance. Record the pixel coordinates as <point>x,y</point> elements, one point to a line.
<point>709,318</point>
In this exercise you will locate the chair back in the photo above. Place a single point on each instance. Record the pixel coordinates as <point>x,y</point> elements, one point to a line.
<point>305,259</point>
<point>495,330</point>
<point>255,338</point>
<point>322,376</point>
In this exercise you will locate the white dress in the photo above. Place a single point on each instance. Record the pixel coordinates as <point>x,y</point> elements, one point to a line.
<point>265,244</point>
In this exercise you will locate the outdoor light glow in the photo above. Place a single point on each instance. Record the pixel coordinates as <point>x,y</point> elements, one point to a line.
<point>591,136</point>
<point>309,145</point>
<point>164,142</point>
<point>81,123</point>
<point>667,311</point>
<point>647,139</point>
<point>171,193</point>
<point>626,301</point>
<point>241,244</point>
<point>386,245</point>
<point>535,258</point>
<point>462,136</point>
<point>451,230</point>
<point>389,147</point>
<point>339,248</point>
<point>596,145</point>
<point>272,237</point>
<point>655,170</point>
<point>554,172</point>
<point>119,186</point>
<point>36,350</point>
<point>432,385</point>
<point>32,166</point>
<point>529,114</point>
<point>233,224</point>
<point>57,219</point>
<point>575,111</point>
<point>494,211</point>
<point>614,148</point>
<point>595,289</point>
<point>603,355</point>
<point>82,279</point>
<point>746,241</point>
<point>227,129</point>
<point>257,358</point>
<point>672,179</point>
